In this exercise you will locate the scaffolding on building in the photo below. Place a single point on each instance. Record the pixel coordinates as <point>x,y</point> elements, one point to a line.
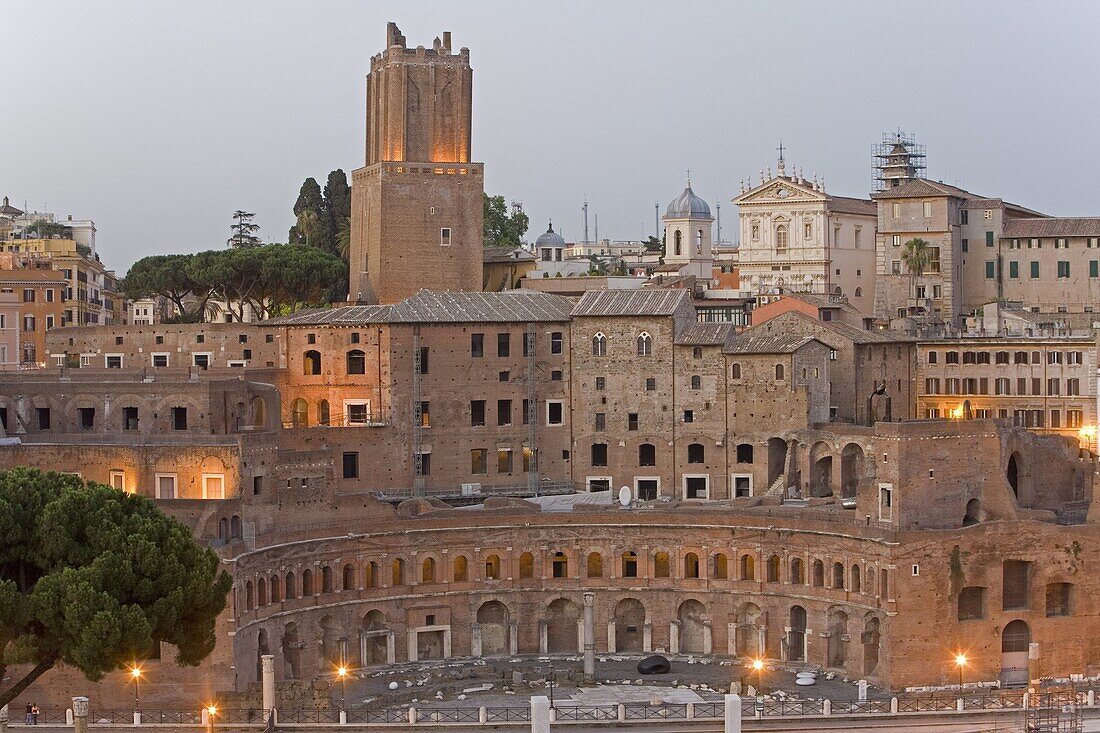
<point>417,415</point>
<point>1053,711</point>
<point>896,160</point>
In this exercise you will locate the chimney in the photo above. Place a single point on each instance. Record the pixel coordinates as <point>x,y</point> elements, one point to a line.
<point>447,41</point>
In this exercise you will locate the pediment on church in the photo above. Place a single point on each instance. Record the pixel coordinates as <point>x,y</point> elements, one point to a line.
<point>779,190</point>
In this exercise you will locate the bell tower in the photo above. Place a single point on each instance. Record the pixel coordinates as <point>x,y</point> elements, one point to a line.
<point>416,206</point>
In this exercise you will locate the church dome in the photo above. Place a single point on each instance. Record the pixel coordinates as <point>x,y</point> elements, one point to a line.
<point>688,206</point>
<point>550,238</point>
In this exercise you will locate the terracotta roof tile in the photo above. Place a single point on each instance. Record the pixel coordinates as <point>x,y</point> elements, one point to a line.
<point>647,302</point>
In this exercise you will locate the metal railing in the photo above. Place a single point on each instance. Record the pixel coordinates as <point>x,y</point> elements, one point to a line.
<point>508,715</point>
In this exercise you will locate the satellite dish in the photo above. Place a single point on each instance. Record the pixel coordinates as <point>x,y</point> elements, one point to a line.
<point>624,496</point>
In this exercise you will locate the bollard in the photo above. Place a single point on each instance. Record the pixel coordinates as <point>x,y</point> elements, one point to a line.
<point>482,715</point>
<point>1027,700</point>
<point>691,711</point>
<point>959,705</point>
<point>137,718</point>
<point>80,715</point>
<point>827,707</point>
<point>540,714</point>
<point>733,714</point>
<point>862,690</point>
<point>343,717</point>
<point>621,713</point>
<point>412,716</point>
<point>69,719</point>
<point>1091,699</point>
<point>204,718</point>
<point>894,705</point>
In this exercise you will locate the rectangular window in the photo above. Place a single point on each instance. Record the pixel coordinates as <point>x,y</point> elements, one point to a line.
<point>357,412</point>
<point>113,361</point>
<point>896,211</point>
<point>1073,387</point>
<point>445,237</point>
<point>1073,418</point>
<point>504,344</point>
<point>556,342</point>
<point>477,345</point>
<point>526,412</point>
<point>118,480</point>
<point>425,464</point>
<point>988,238</point>
<point>479,461</point>
<point>129,418</point>
<point>1014,269</point>
<point>200,361</point>
<point>425,414</point>
<point>351,464</point>
<point>477,413</point>
<point>601,384</point>
<point>504,460</point>
<point>885,502</point>
<point>989,270</point>
<point>927,209</point>
<point>179,418</point>
<point>1034,270</point>
<point>43,415</point>
<point>504,412</point>
<point>966,245</point>
<point>632,421</point>
<point>28,295</point>
<point>86,416</point>
<point>965,216</point>
<point>423,360</point>
<point>1063,268</point>
<point>160,360</point>
<point>599,454</point>
<point>896,239</point>
<point>554,412</point>
<point>689,416</point>
<point>1016,576</point>
<point>1094,268</point>
<point>601,421</point>
<point>166,485</point>
<point>933,259</point>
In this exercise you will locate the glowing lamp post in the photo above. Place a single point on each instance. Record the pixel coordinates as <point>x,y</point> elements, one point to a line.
<point>135,675</point>
<point>960,662</point>
<point>211,713</point>
<point>342,675</point>
<point>1086,435</point>
<point>758,665</point>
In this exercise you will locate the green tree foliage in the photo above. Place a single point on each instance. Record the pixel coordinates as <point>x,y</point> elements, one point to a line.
<point>311,199</point>
<point>269,278</point>
<point>244,230</point>
<point>93,578</point>
<point>917,257</point>
<point>338,207</point>
<point>343,238</point>
<point>504,226</point>
<point>654,245</point>
<point>42,229</point>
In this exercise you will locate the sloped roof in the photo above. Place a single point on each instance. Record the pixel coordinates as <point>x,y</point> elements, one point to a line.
<point>348,315</point>
<point>746,344</point>
<point>922,187</point>
<point>850,205</point>
<point>1052,227</point>
<point>705,334</point>
<point>490,255</point>
<point>452,306</point>
<point>646,302</point>
<point>848,331</point>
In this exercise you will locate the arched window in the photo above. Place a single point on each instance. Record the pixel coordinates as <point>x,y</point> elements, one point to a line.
<point>349,577</point>
<point>677,242</point>
<point>691,565</point>
<point>397,572</point>
<point>275,589</point>
<point>235,527</point>
<point>748,567</point>
<point>773,569</point>
<point>699,241</point>
<point>781,237</point>
<point>857,580</point>
<point>322,412</point>
<point>660,565</point>
<point>370,579</point>
<point>645,344</point>
<point>720,566</point>
<point>735,371</point>
<point>859,292</point>
<point>290,587</point>
<point>223,528</point>
<point>526,565</point>
<point>696,453</point>
<point>311,362</point>
<point>647,454</point>
<point>819,574</point>
<point>299,413</point>
<point>595,565</point>
<point>427,571</point>
<point>492,567</point>
<point>261,592</point>
<point>307,583</point>
<point>357,362</point>
<point>797,575</point>
<point>744,452</point>
<point>248,596</point>
<point>838,576</point>
<point>326,579</point>
<point>460,570</point>
<point>599,345</point>
<point>696,381</point>
<point>779,372</point>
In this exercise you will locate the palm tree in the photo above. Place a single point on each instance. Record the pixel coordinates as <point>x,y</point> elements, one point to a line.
<point>916,255</point>
<point>343,238</point>
<point>307,224</point>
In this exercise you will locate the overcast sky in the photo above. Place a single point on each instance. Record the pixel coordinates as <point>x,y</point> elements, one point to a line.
<point>158,119</point>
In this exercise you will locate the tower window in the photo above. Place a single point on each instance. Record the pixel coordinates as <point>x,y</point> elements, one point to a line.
<point>677,242</point>
<point>445,237</point>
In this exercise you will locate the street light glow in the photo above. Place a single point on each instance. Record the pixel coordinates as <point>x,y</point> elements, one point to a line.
<point>341,672</point>
<point>135,672</point>
<point>212,709</point>
<point>757,664</point>
<point>960,660</point>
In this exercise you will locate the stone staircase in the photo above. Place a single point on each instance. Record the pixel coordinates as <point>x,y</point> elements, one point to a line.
<point>778,487</point>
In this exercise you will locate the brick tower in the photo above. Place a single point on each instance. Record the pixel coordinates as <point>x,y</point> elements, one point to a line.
<point>416,206</point>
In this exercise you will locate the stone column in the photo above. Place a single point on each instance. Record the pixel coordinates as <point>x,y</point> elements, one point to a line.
<point>475,640</point>
<point>733,714</point>
<point>391,648</point>
<point>762,640</point>
<point>267,664</point>
<point>80,715</point>
<point>513,637</point>
<point>544,637</point>
<point>589,637</point>
<point>674,638</point>
<point>611,647</point>
<point>540,714</point>
<point>411,646</point>
<point>647,636</point>
<point>731,639</point>
<point>708,637</point>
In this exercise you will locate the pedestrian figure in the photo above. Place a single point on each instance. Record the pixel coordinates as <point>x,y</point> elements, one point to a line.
<point>34,713</point>
<point>29,711</point>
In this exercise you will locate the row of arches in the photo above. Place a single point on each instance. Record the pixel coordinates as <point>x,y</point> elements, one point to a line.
<point>643,344</point>
<point>355,362</point>
<point>690,565</point>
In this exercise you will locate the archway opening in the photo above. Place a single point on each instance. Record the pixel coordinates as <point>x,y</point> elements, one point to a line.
<point>629,625</point>
<point>492,618</point>
<point>692,616</point>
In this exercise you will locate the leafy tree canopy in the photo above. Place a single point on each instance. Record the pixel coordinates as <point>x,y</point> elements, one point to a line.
<point>504,227</point>
<point>93,578</point>
<point>322,231</point>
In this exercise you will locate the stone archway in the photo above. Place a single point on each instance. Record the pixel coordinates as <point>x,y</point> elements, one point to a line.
<point>332,644</point>
<point>748,632</point>
<point>292,660</point>
<point>777,459</point>
<point>492,619</point>
<point>261,649</point>
<point>692,618</point>
<point>871,637</point>
<point>1015,640</point>
<point>837,648</point>
<point>821,470</point>
<point>1014,472</point>
<point>374,639</point>
<point>851,470</point>
<point>796,637</point>
<point>629,625</point>
<point>561,626</point>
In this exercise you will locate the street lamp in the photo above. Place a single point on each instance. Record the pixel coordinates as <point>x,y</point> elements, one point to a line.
<point>135,675</point>
<point>758,665</point>
<point>211,712</point>
<point>342,674</point>
<point>551,676</point>
<point>960,662</point>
